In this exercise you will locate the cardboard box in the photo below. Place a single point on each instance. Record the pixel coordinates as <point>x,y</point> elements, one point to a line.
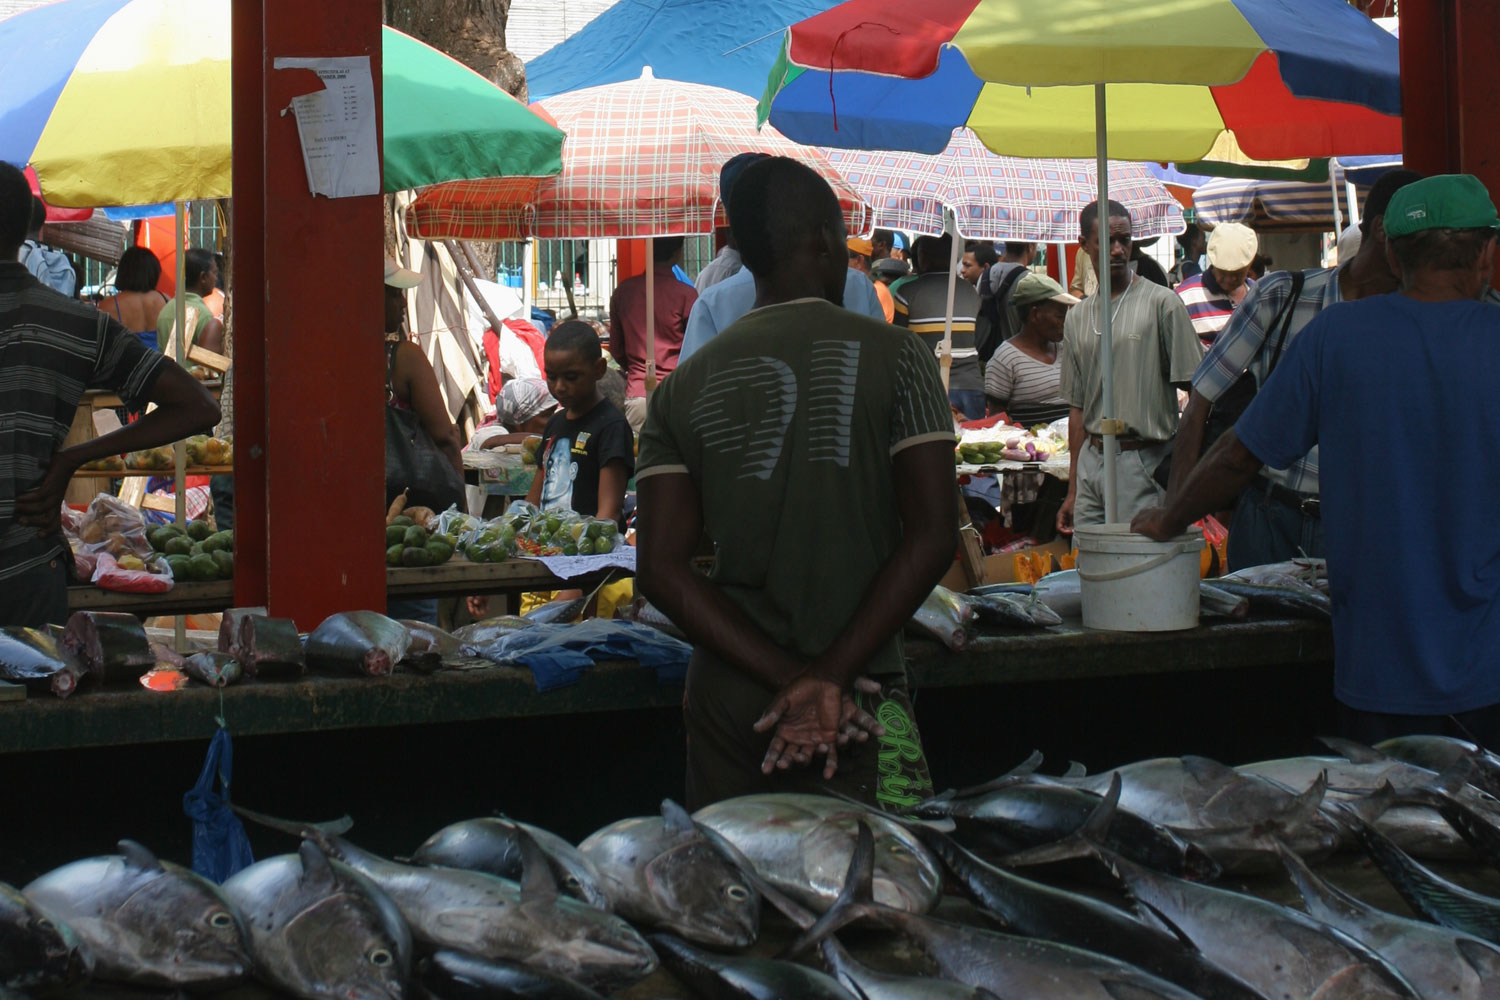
<point>1002,568</point>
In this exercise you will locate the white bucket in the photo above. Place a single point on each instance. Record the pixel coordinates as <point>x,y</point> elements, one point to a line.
<point>1130,583</point>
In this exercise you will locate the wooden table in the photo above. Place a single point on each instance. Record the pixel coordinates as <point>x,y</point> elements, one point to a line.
<point>129,714</point>
<point>455,578</point>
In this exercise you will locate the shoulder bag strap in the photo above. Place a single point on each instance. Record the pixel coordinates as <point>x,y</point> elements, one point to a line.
<point>1285,318</point>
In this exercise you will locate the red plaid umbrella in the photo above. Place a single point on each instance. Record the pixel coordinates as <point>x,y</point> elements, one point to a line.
<point>996,197</point>
<point>641,159</point>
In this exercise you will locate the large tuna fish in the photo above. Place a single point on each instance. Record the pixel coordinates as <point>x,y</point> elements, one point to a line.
<point>146,921</point>
<point>802,844</point>
<point>359,642</point>
<point>35,949</point>
<point>732,977</point>
<point>660,872</point>
<point>491,844</point>
<point>319,929</point>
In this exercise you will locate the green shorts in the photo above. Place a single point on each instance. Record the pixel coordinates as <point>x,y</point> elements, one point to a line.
<point>724,753</point>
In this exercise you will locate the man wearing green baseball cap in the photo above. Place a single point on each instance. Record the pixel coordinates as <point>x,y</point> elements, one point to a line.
<point>1413,555</point>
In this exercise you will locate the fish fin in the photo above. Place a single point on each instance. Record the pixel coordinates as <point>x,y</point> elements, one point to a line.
<point>1481,956</point>
<point>296,828</point>
<point>315,866</point>
<point>137,855</point>
<point>789,907</point>
<point>1367,808</point>
<point>1207,771</point>
<point>1096,827</point>
<point>1355,753</point>
<point>856,900</point>
<point>538,883</point>
<point>1075,770</point>
<point>1163,921</point>
<point>1025,768</point>
<point>1314,890</point>
<point>1302,808</point>
<point>1452,779</point>
<point>676,817</point>
<point>1070,848</point>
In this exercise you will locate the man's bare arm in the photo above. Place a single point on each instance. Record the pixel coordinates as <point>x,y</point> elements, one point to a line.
<point>1187,447</point>
<point>1220,478</point>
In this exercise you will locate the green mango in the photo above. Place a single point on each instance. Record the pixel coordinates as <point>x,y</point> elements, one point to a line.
<point>179,564</point>
<point>199,530</point>
<point>439,551</point>
<point>158,537</point>
<point>178,545</point>
<point>416,537</point>
<point>222,541</point>
<point>201,567</point>
<point>403,520</point>
<point>225,561</point>
<point>394,534</point>
<point>393,554</point>
<point>414,556</point>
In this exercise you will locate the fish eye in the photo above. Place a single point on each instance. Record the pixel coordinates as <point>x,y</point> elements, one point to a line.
<point>381,957</point>
<point>43,924</point>
<point>738,893</point>
<point>572,882</point>
<point>899,849</point>
<point>220,918</point>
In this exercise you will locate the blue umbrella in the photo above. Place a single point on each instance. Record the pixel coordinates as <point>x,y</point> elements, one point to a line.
<point>713,42</point>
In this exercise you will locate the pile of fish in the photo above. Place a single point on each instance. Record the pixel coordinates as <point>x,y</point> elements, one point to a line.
<point>1295,589</point>
<point>493,908</point>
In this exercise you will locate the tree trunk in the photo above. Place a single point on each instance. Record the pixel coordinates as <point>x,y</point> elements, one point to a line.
<point>471,31</point>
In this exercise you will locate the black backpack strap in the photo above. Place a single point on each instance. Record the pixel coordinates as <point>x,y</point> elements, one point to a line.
<point>1284,317</point>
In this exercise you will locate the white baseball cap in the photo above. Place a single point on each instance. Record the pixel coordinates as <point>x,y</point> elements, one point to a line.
<point>399,277</point>
<point>1231,246</point>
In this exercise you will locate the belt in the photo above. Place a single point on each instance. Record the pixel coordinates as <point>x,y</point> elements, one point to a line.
<point>1126,444</point>
<point>1306,504</point>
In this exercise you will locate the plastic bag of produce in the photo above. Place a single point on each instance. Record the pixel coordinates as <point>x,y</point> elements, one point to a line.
<point>154,577</point>
<point>455,522</point>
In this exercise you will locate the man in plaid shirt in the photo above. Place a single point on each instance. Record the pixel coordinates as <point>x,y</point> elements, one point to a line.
<point>1277,517</point>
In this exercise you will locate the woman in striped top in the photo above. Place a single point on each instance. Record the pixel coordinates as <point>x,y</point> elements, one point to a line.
<point>1023,378</point>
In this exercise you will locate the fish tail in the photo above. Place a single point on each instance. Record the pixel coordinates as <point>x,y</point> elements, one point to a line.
<point>855,902</point>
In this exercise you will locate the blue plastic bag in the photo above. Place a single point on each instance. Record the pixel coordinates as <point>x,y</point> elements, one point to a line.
<point>220,846</point>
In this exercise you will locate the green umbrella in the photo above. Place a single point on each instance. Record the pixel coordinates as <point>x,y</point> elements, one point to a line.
<point>161,68</point>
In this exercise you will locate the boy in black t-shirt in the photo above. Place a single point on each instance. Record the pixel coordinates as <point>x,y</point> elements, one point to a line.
<point>588,452</point>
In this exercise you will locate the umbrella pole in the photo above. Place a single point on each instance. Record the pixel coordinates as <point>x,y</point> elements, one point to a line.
<point>945,356</point>
<point>179,479</point>
<point>1338,215</point>
<point>1062,266</point>
<point>1109,425</point>
<point>650,315</point>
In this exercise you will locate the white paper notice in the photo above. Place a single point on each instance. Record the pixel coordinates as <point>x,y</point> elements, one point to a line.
<point>337,126</point>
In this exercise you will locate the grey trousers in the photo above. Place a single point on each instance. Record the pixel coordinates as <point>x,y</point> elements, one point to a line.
<point>1135,490</point>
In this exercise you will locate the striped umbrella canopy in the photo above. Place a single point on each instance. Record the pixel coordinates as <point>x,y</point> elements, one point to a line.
<point>999,197</point>
<point>642,159</point>
<point>1271,206</point>
<point>1314,78</point>
<point>127,102</point>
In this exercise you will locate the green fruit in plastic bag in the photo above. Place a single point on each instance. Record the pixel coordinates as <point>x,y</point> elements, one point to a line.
<point>585,546</point>
<point>416,537</point>
<point>570,549</point>
<point>225,562</point>
<point>499,554</point>
<point>393,555</point>
<point>608,529</point>
<point>199,530</point>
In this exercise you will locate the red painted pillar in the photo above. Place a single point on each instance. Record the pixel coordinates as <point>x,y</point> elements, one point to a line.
<point>310,483</point>
<point>1449,88</point>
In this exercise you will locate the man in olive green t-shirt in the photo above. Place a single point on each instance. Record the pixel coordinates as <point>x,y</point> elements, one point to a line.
<point>1155,351</point>
<point>814,446</point>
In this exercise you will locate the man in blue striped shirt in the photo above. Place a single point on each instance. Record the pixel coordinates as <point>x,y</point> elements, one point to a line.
<point>52,349</point>
<point>1277,517</point>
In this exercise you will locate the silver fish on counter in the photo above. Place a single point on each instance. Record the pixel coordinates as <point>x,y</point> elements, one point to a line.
<point>946,618</point>
<point>1289,600</point>
<point>319,929</point>
<point>213,669</point>
<point>430,646</point>
<point>559,612</point>
<point>494,918</point>
<point>1012,610</point>
<point>492,845</point>
<point>1441,753</point>
<point>733,977</point>
<point>801,844</point>
<point>1004,964</point>
<point>269,648</point>
<point>1277,950</point>
<point>1213,601</point>
<point>34,657</point>
<point>37,950</point>
<point>1437,961</point>
<point>453,975</point>
<point>145,921</point>
<point>361,642</point>
<point>111,645</point>
<point>1360,771</point>
<point>660,872</point>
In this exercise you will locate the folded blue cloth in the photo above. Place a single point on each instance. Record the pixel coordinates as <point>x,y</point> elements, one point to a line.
<point>557,654</point>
